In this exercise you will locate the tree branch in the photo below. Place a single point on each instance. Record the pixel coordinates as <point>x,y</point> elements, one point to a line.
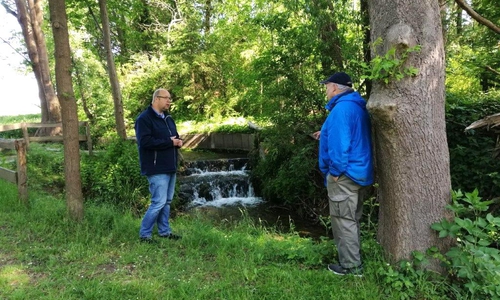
<point>492,70</point>
<point>9,9</point>
<point>477,16</point>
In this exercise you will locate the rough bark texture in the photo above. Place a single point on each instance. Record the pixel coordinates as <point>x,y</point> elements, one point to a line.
<point>53,107</point>
<point>74,197</point>
<point>30,17</point>
<point>365,17</point>
<point>113,78</point>
<point>24,20</point>
<point>409,123</point>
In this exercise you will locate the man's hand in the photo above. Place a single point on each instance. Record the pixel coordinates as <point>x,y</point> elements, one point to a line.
<point>316,134</point>
<point>177,142</point>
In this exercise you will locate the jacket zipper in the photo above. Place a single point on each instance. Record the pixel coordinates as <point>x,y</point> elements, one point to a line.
<point>170,131</point>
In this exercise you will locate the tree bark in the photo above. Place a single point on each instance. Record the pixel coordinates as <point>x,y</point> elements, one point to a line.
<point>30,17</point>
<point>113,78</point>
<point>409,123</point>
<point>52,102</point>
<point>23,18</point>
<point>365,17</point>
<point>59,24</point>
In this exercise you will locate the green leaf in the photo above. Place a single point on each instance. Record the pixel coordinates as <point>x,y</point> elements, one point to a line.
<point>443,233</point>
<point>438,226</point>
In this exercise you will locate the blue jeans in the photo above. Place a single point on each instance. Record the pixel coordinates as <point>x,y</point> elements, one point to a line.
<point>162,187</point>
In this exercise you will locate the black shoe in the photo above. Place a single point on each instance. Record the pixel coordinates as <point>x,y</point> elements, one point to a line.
<point>339,270</point>
<point>147,240</point>
<point>171,236</point>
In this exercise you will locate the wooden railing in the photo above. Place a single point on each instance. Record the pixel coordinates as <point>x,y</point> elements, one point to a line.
<point>18,177</point>
<point>24,127</point>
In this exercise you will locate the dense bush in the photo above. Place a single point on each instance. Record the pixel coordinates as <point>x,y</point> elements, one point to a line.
<point>472,164</point>
<point>285,170</point>
<point>113,176</point>
<point>46,167</point>
<point>475,261</point>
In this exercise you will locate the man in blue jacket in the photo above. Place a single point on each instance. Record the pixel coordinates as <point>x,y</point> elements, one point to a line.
<point>158,141</point>
<point>345,158</point>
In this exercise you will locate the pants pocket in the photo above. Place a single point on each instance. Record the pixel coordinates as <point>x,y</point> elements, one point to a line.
<point>342,207</point>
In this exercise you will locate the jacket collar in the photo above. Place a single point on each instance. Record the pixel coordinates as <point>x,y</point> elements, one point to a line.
<point>329,106</point>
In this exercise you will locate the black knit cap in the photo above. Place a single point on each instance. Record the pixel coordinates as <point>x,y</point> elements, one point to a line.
<point>340,78</point>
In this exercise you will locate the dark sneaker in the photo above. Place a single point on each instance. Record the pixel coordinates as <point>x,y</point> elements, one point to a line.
<point>171,236</point>
<point>147,240</point>
<point>337,269</point>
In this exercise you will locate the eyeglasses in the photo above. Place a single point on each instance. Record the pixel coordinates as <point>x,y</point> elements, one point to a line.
<point>165,97</point>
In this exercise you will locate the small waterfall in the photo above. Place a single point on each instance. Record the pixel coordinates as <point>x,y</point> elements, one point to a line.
<point>221,182</point>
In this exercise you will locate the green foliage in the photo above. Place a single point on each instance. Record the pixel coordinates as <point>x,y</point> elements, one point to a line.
<point>285,169</point>
<point>475,261</point>
<point>113,177</point>
<point>45,167</point>
<point>472,163</point>
<point>392,66</point>
<point>110,176</point>
<point>472,50</point>
<point>412,281</point>
<point>224,125</point>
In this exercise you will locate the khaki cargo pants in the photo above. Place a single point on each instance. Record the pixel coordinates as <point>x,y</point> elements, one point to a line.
<point>346,208</point>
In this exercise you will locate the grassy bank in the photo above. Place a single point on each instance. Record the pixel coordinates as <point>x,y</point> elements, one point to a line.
<point>45,256</point>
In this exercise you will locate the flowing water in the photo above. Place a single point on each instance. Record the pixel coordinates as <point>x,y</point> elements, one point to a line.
<point>217,183</point>
<point>222,189</point>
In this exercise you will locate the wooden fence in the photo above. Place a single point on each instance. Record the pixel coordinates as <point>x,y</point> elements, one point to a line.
<point>24,127</point>
<point>20,176</point>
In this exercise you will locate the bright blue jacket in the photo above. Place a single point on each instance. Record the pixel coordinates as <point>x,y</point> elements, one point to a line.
<point>157,153</point>
<point>345,141</point>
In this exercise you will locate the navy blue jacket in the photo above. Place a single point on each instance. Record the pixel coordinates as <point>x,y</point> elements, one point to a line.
<point>157,153</point>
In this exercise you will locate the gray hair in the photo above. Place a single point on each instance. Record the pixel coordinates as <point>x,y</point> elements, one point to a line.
<point>155,94</point>
<point>344,88</point>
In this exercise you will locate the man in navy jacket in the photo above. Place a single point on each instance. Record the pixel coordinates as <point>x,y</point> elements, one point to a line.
<point>345,158</point>
<point>158,141</point>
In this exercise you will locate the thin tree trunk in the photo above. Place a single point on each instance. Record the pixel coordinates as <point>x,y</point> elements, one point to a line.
<point>366,40</point>
<point>59,24</point>
<point>208,15</point>
<point>410,137</point>
<point>113,78</point>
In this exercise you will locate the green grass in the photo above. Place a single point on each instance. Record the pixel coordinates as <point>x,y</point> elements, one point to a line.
<point>30,118</point>
<point>43,255</point>
<point>226,125</point>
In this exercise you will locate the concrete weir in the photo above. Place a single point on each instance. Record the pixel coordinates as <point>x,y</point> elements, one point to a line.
<point>222,141</point>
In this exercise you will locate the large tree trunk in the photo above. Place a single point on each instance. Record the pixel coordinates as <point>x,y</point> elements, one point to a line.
<point>113,78</point>
<point>410,138</point>
<point>30,17</point>
<point>23,18</point>
<point>52,102</point>
<point>74,197</point>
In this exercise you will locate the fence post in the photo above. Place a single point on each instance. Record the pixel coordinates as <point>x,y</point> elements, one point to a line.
<point>22,176</point>
<point>26,136</point>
